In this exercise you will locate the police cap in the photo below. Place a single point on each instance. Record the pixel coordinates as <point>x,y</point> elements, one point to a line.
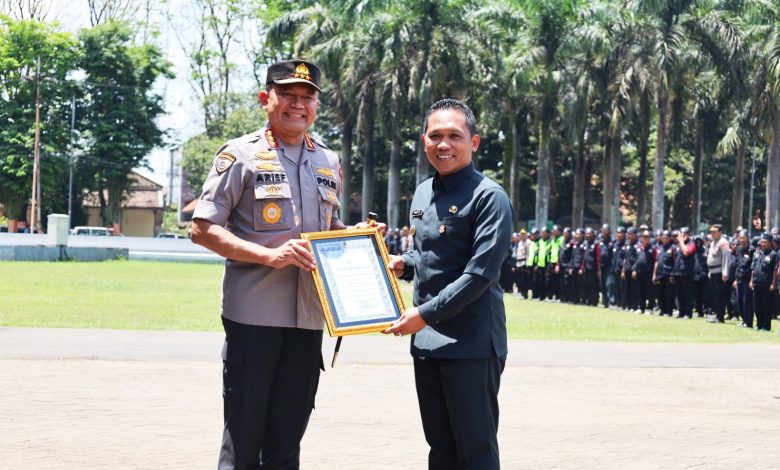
<point>766,236</point>
<point>685,231</point>
<point>566,230</point>
<point>659,232</point>
<point>534,231</point>
<point>556,227</point>
<point>666,233</point>
<point>716,228</point>
<point>621,230</point>
<point>631,230</point>
<point>605,227</point>
<point>294,71</point>
<point>588,231</point>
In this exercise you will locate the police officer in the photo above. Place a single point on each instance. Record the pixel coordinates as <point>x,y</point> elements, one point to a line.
<point>458,321</point>
<point>578,254</point>
<point>664,263</point>
<point>682,274</point>
<point>589,269</point>
<point>743,260</point>
<point>262,191</point>
<point>563,268</point>
<point>717,262</point>
<point>642,271</point>
<point>701,278</point>
<point>763,282</point>
<point>553,277</point>
<point>530,264</point>
<point>521,258</point>
<point>605,262</point>
<point>542,260</point>
<point>630,254</point>
<point>617,267</point>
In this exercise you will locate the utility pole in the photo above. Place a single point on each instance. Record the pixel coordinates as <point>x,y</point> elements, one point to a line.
<point>171,153</point>
<point>70,158</point>
<point>35,212</point>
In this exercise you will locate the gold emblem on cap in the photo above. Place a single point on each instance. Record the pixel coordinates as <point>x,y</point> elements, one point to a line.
<point>442,228</point>
<point>223,162</point>
<point>265,155</point>
<point>272,213</point>
<point>453,209</point>
<point>268,167</point>
<point>302,71</point>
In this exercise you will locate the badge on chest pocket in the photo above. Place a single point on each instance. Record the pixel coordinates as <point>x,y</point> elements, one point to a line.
<point>273,208</point>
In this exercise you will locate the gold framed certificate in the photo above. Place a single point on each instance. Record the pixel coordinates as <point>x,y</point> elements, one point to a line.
<point>358,291</point>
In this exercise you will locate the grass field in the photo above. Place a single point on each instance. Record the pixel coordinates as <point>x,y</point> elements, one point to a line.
<point>173,296</point>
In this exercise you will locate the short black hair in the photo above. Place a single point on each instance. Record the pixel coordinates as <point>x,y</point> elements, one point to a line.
<point>457,105</point>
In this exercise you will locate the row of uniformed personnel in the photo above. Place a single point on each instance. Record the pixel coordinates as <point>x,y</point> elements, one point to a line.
<point>635,271</point>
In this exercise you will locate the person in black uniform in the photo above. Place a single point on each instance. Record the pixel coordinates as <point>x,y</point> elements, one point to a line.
<point>589,269</point>
<point>656,243</point>
<point>564,265</point>
<point>662,275</point>
<point>578,254</point>
<point>642,271</point>
<point>682,274</point>
<point>617,267</point>
<point>605,262</point>
<point>701,277</point>
<point>763,282</point>
<point>743,261</point>
<point>629,259</point>
<point>463,227</point>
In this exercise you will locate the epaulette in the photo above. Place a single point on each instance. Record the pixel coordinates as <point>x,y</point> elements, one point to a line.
<point>320,143</point>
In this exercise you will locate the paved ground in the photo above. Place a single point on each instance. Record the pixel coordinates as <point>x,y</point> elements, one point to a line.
<point>77,399</point>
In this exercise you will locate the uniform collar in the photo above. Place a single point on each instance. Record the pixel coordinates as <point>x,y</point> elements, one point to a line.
<point>451,181</point>
<point>273,142</point>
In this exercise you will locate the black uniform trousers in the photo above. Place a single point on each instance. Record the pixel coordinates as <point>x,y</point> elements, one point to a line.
<point>605,287</point>
<point>762,304</point>
<point>459,408</point>
<point>589,285</point>
<point>520,279</point>
<point>700,288</point>
<point>540,283</point>
<point>745,302</point>
<point>553,283</point>
<point>719,295</point>
<point>270,378</point>
<point>665,295</point>
<point>683,286</point>
<point>630,299</point>
<point>566,285</point>
<point>644,291</point>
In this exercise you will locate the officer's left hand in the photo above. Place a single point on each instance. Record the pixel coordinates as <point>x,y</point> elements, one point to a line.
<point>381,226</point>
<point>410,323</point>
<point>725,279</point>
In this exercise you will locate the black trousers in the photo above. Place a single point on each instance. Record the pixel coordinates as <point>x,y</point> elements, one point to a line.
<point>630,295</point>
<point>762,304</point>
<point>605,288</point>
<point>665,295</point>
<point>520,281</point>
<point>459,408</point>
<point>540,283</point>
<point>683,286</point>
<point>270,378</point>
<point>553,283</point>
<point>589,287</point>
<point>566,286</point>
<point>644,291</point>
<point>719,295</point>
<point>700,288</point>
<point>745,302</point>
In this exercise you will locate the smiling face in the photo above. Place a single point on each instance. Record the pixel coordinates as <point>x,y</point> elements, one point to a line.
<point>291,109</point>
<point>448,143</point>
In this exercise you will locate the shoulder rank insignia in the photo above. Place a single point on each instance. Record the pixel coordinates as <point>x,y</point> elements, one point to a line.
<point>309,142</point>
<point>265,155</point>
<point>223,162</point>
<point>270,139</point>
<point>268,167</point>
<point>326,172</point>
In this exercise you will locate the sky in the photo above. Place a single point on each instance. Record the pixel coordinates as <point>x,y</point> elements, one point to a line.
<point>183,117</point>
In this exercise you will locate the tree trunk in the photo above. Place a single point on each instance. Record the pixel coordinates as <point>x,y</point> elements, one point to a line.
<point>660,159</point>
<point>367,141</point>
<point>738,192</point>
<point>517,157</point>
<point>346,170</point>
<point>578,190</point>
<point>617,172</point>
<point>698,169</point>
<point>607,176</point>
<point>773,174</point>
<point>394,181</point>
<point>543,176</point>
<point>644,137</point>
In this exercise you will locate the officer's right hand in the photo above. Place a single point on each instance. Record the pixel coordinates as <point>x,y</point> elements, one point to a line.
<point>397,264</point>
<point>294,252</point>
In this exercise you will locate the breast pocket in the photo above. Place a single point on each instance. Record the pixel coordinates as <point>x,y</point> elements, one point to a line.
<point>273,208</point>
<point>455,235</point>
<point>329,205</point>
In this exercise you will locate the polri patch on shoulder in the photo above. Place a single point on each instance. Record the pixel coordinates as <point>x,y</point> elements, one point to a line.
<point>224,161</point>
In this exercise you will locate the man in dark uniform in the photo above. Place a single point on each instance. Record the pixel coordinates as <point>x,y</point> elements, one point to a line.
<point>662,274</point>
<point>743,260</point>
<point>263,190</point>
<point>630,254</point>
<point>463,226</point>
<point>605,262</point>
<point>642,271</point>
<point>617,266</point>
<point>589,269</point>
<point>763,282</point>
<point>577,255</point>
<point>701,278</point>
<point>564,265</point>
<point>682,274</point>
